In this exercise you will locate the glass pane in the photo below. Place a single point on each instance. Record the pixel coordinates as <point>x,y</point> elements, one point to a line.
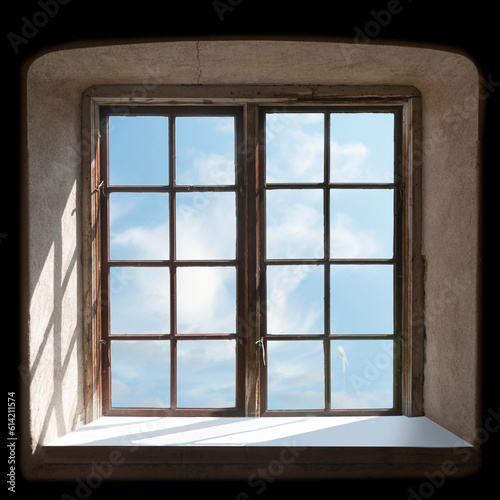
<point>138,226</point>
<point>205,226</point>
<point>139,300</point>
<point>362,223</point>
<point>295,375</point>
<point>362,374</point>
<point>295,299</point>
<point>138,150</point>
<point>294,147</point>
<point>362,147</point>
<point>140,373</point>
<point>206,300</point>
<point>205,149</point>
<point>294,224</point>
<point>206,373</point>
<point>362,299</point>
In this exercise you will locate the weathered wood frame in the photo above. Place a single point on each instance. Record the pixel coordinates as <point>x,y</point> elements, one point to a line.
<point>406,98</point>
<point>328,186</point>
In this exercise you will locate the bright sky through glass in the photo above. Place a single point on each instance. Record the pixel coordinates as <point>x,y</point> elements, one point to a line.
<point>361,224</point>
<point>139,300</point>
<point>141,373</point>
<point>205,150</point>
<point>294,224</point>
<point>295,375</point>
<point>206,226</point>
<point>206,373</point>
<point>361,227</point>
<point>138,226</point>
<point>362,147</point>
<point>295,299</point>
<point>294,147</point>
<point>138,150</point>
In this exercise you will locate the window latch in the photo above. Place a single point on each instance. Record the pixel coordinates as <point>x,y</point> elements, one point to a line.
<point>101,188</point>
<point>260,342</point>
<point>401,188</point>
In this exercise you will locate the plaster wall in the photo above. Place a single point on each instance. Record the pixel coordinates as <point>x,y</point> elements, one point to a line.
<point>449,83</point>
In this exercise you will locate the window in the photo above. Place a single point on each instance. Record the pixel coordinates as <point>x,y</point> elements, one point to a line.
<point>173,266</point>
<point>329,258</point>
<point>61,261</point>
<point>251,281</point>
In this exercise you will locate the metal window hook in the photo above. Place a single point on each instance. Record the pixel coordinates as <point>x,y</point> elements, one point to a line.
<point>101,188</point>
<point>261,343</point>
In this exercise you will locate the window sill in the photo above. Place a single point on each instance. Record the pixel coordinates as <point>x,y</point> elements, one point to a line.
<point>235,448</point>
<point>390,431</point>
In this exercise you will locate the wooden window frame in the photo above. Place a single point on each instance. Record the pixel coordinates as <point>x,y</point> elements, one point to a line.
<point>172,263</point>
<point>327,261</point>
<point>404,101</point>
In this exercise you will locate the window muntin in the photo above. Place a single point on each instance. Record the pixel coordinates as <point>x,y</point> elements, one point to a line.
<point>306,273</point>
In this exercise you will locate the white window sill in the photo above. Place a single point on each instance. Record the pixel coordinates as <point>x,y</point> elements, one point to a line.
<point>387,431</point>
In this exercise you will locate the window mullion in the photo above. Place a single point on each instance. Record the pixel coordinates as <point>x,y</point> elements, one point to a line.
<point>250,326</point>
<point>173,278</point>
<point>326,219</point>
<point>104,267</point>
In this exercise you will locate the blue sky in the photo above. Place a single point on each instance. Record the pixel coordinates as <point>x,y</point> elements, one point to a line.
<point>361,146</point>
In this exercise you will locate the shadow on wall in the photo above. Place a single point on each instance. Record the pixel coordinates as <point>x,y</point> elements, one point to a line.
<point>51,364</point>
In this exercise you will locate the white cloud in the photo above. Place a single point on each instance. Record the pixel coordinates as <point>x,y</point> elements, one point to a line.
<point>285,318</point>
<point>206,300</point>
<point>119,209</point>
<point>140,373</point>
<point>203,353</point>
<point>206,296</point>
<point>141,242</point>
<point>224,124</point>
<point>296,375</point>
<point>140,300</point>
<point>375,399</point>
<point>288,310</point>
<point>348,242</point>
<point>207,169</point>
<point>206,226</point>
<point>294,154</point>
<point>206,373</point>
<point>215,169</point>
<point>293,399</point>
<point>348,162</point>
<point>294,224</point>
